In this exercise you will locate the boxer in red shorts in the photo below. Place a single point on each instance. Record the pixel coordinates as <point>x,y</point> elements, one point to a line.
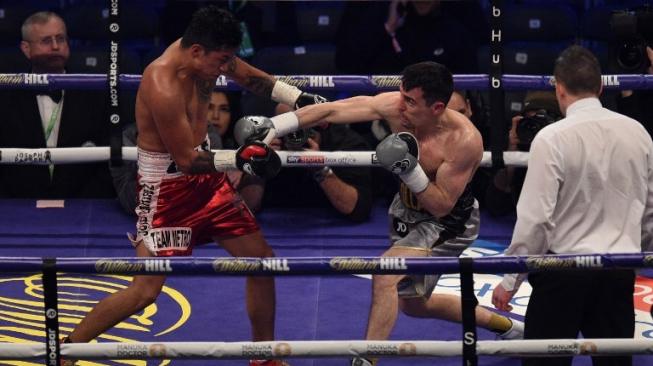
<point>184,198</point>
<point>178,211</point>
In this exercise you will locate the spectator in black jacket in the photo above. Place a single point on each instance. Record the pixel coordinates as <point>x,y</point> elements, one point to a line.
<point>38,119</point>
<point>636,104</point>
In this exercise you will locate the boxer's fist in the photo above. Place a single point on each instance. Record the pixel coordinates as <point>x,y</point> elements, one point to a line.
<point>305,99</point>
<point>254,128</point>
<point>256,158</point>
<point>398,152</point>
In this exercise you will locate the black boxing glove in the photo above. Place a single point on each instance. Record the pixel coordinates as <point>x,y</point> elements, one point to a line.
<point>305,99</point>
<point>255,158</point>
<point>292,96</point>
<point>258,159</point>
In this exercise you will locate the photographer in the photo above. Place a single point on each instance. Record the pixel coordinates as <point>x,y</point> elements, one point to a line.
<point>540,109</point>
<point>347,190</point>
<point>631,52</point>
<point>636,103</point>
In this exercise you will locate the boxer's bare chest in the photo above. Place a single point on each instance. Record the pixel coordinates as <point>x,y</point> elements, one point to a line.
<point>433,150</point>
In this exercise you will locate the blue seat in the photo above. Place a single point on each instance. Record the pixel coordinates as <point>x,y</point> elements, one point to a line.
<point>319,21</point>
<point>95,60</point>
<point>531,57</point>
<point>88,24</point>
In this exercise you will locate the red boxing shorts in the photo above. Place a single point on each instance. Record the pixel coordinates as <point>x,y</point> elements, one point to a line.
<point>177,211</point>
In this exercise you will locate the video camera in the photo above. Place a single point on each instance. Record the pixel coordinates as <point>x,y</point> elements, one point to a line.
<point>529,126</point>
<point>298,140</point>
<point>633,31</point>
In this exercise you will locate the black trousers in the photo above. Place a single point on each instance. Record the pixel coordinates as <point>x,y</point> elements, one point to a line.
<point>598,304</point>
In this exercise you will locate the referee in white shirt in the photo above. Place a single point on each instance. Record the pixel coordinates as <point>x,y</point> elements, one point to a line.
<point>588,189</point>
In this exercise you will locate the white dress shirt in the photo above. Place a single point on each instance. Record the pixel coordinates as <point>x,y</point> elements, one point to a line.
<point>588,188</point>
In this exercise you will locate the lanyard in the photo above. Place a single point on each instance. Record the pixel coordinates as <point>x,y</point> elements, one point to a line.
<point>53,119</point>
<point>48,130</point>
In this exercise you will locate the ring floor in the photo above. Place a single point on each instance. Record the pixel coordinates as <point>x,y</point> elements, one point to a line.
<point>211,308</point>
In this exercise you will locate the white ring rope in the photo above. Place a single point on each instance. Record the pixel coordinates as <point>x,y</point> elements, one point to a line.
<point>75,155</point>
<point>323,349</point>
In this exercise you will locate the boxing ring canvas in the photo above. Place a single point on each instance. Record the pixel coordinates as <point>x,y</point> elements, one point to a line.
<point>211,308</point>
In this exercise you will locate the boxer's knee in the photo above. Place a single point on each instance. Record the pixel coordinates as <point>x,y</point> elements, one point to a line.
<point>412,306</point>
<point>266,251</point>
<point>146,291</point>
<point>385,282</point>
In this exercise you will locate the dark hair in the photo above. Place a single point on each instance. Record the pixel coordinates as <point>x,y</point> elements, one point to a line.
<point>214,29</point>
<point>578,70</point>
<point>235,105</point>
<point>435,80</point>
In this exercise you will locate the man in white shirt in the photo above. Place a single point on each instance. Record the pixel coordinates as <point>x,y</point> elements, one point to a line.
<point>588,189</point>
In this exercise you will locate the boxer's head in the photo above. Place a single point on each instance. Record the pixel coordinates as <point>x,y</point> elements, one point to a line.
<point>213,36</point>
<point>426,88</point>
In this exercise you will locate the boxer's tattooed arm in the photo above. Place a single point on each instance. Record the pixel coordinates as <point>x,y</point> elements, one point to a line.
<point>231,65</point>
<point>249,77</point>
<point>260,85</point>
<point>202,164</point>
<point>204,89</point>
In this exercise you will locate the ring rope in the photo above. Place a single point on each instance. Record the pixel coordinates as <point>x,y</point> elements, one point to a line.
<point>75,155</point>
<point>330,348</point>
<point>373,83</point>
<point>359,83</point>
<point>327,265</point>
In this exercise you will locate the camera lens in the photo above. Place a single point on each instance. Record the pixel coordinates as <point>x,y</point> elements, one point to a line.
<point>529,126</point>
<point>295,140</point>
<point>527,129</point>
<point>631,56</point>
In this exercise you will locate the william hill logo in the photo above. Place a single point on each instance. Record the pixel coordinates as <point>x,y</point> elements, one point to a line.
<point>549,262</point>
<point>579,261</point>
<point>589,261</point>
<point>11,79</point>
<point>125,267</point>
<point>362,264</point>
<point>386,81</point>
<point>236,265</point>
<point>36,79</point>
<point>610,80</point>
<point>117,266</point>
<point>319,81</point>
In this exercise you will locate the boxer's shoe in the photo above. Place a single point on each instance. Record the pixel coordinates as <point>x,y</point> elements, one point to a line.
<point>360,361</point>
<point>515,332</point>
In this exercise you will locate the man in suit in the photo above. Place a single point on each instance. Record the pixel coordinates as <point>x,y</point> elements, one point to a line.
<point>38,119</point>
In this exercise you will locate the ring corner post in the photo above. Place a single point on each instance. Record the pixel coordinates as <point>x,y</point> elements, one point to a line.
<point>50,300</point>
<point>469,303</point>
